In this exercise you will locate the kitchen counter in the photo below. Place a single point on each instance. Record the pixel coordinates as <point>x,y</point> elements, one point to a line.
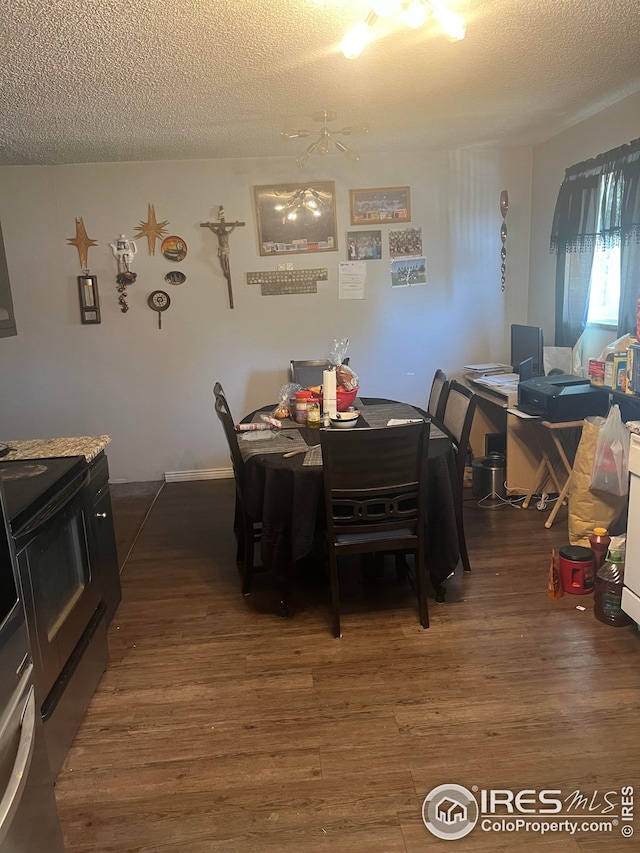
<point>88,446</point>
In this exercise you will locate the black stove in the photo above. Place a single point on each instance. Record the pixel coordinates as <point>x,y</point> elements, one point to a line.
<point>29,484</point>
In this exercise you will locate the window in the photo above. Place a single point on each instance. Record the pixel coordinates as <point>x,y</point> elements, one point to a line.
<point>596,234</point>
<point>604,287</point>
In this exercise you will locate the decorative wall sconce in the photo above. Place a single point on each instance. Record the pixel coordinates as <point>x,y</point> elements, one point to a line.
<point>89,299</point>
<point>504,207</point>
<point>123,251</point>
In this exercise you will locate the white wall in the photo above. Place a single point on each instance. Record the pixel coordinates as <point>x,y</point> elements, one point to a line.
<point>151,390</point>
<point>614,126</point>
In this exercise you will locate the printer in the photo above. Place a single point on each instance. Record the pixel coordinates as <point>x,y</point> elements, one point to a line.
<point>561,397</point>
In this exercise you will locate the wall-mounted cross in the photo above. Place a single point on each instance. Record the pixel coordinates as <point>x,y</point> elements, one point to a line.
<point>222,230</point>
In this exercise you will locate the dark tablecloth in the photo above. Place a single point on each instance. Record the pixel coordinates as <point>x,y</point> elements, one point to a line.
<point>288,495</point>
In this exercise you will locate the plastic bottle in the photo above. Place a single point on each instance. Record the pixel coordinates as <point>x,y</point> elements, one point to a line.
<point>599,543</point>
<point>608,592</point>
<point>313,414</point>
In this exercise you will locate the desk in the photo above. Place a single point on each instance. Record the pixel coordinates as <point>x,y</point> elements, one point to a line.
<point>288,493</point>
<point>522,456</point>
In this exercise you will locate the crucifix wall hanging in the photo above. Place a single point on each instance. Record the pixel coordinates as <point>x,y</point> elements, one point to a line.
<point>222,230</point>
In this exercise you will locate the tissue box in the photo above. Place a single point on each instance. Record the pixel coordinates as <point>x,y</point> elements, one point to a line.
<point>596,371</point>
<point>615,371</point>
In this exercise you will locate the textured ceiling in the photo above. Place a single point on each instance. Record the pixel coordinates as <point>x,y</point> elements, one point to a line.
<point>87,81</point>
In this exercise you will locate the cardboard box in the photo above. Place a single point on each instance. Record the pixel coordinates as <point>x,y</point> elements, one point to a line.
<point>596,371</point>
<point>615,371</point>
<point>633,369</point>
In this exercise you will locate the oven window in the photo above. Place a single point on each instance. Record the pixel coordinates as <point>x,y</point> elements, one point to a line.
<point>60,572</point>
<point>8,591</point>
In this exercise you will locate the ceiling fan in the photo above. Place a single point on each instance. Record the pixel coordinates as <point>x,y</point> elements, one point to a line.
<point>322,144</point>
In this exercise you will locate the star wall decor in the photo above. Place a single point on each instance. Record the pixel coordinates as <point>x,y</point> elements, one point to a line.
<point>82,243</point>
<point>151,229</point>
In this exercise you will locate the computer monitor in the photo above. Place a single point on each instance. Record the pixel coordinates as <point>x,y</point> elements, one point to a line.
<point>526,342</point>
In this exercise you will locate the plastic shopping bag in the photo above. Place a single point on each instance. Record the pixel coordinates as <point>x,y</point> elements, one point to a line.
<point>610,472</point>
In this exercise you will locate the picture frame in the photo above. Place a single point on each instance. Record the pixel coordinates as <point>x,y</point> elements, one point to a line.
<point>408,271</point>
<point>385,204</point>
<point>89,299</point>
<point>296,218</point>
<point>364,245</point>
<point>405,241</point>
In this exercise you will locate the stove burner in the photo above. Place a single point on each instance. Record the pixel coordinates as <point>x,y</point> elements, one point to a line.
<point>20,472</point>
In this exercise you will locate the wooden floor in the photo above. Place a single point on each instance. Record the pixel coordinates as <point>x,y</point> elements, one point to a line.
<point>220,727</point>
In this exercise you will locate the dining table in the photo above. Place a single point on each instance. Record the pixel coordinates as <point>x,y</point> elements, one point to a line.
<point>284,489</point>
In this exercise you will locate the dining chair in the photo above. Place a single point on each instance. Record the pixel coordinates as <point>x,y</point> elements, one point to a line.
<point>438,395</point>
<point>375,487</point>
<point>306,373</point>
<point>247,528</point>
<point>457,420</point>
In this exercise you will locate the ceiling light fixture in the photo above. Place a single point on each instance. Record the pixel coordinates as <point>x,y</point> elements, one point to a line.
<point>298,202</point>
<point>414,13</point>
<point>326,137</point>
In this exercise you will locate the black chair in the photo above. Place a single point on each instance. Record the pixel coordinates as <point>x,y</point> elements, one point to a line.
<point>307,373</point>
<point>438,395</point>
<point>457,419</point>
<point>375,488</point>
<point>247,528</point>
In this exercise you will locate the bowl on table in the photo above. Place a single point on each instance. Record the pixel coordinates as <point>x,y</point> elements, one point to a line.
<point>345,420</point>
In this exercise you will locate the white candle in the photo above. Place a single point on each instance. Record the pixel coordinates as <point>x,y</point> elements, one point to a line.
<point>329,392</point>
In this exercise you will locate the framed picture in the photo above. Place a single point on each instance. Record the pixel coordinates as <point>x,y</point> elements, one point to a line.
<point>364,245</point>
<point>296,218</point>
<point>408,272</point>
<point>390,204</point>
<point>408,241</point>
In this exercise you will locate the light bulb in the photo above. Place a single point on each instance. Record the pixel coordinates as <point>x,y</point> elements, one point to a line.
<point>355,40</point>
<point>384,8</point>
<point>415,15</point>
<point>292,216</point>
<point>349,154</point>
<point>450,23</point>
<point>323,145</point>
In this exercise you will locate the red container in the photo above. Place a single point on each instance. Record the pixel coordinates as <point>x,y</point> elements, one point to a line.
<point>344,399</point>
<point>577,570</point>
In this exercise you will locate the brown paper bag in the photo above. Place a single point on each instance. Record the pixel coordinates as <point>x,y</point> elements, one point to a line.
<point>589,509</point>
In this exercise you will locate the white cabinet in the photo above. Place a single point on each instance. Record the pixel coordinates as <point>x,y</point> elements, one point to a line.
<point>631,591</point>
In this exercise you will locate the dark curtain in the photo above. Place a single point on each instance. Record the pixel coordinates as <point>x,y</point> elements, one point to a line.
<point>598,207</point>
<point>630,250</point>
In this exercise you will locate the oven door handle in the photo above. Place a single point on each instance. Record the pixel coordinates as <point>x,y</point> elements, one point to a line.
<point>61,500</point>
<point>20,775</point>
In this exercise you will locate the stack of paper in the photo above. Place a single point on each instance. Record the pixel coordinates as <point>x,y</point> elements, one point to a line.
<point>490,367</point>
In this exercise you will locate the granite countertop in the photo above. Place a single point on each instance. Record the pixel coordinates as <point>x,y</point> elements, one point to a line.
<point>88,446</point>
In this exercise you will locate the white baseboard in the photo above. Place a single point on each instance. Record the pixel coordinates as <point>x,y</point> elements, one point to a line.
<point>206,474</point>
